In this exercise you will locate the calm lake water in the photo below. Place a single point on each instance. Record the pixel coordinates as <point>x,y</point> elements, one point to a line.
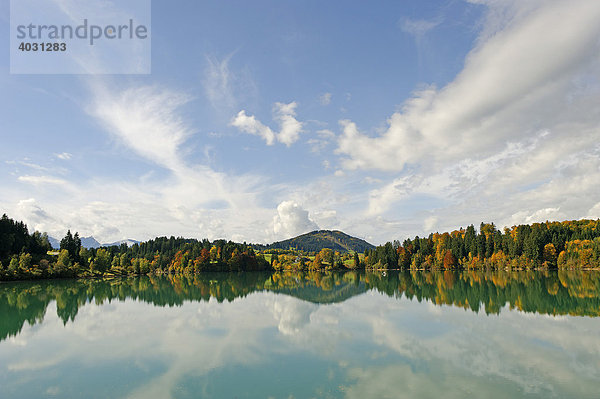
<point>256,335</point>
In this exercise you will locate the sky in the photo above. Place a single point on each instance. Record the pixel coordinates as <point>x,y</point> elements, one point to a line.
<point>261,120</point>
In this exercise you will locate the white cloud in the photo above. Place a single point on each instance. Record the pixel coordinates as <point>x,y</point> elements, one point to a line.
<point>380,199</point>
<point>225,86</point>
<point>509,82</point>
<point>249,124</point>
<point>65,156</point>
<point>542,215</point>
<point>218,81</point>
<point>37,218</point>
<point>293,315</point>
<point>145,119</point>
<point>190,199</point>
<point>284,114</point>
<point>594,212</point>
<point>290,127</point>
<point>39,180</point>
<point>326,219</point>
<point>292,220</point>
<point>515,130</point>
<point>430,224</point>
<point>323,139</point>
<point>27,163</point>
<point>371,180</point>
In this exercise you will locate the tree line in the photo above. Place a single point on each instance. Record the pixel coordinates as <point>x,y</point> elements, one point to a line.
<point>563,245</point>
<point>30,256</point>
<point>549,245</point>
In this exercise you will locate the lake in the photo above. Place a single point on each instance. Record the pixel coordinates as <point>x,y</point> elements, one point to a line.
<point>287,335</point>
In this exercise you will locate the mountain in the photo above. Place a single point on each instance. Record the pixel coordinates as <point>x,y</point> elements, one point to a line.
<point>319,239</point>
<point>90,242</point>
<point>54,242</point>
<point>128,241</point>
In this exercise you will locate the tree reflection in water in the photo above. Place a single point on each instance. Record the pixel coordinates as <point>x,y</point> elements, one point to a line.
<point>575,293</point>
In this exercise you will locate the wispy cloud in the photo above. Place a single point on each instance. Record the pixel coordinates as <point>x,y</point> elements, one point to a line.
<point>324,138</point>
<point>38,180</point>
<point>217,81</point>
<point>519,72</point>
<point>191,199</point>
<point>144,119</point>
<point>65,156</point>
<point>226,86</point>
<point>325,98</point>
<point>418,27</point>
<point>517,87</point>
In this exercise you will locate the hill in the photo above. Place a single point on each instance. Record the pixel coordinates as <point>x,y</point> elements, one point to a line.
<point>336,294</point>
<point>317,240</point>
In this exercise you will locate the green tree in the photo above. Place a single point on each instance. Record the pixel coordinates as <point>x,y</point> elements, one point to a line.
<point>25,262</point>
<point>102,260</point>
<point>84,256</point>
<point>13,266</point>
<point>71,243</point>
<point>63,264</point>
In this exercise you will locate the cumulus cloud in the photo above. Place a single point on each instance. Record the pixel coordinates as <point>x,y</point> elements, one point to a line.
<point>292,220</point>
<point>249,124</point>
<point>283,114</point>
<point>292,315</point>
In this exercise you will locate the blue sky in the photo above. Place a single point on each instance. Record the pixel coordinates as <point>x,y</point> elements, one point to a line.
<point>266,119</point>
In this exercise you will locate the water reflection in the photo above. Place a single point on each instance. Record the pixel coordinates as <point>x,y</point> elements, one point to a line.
<point>555,293</point>
<point>303,335</point>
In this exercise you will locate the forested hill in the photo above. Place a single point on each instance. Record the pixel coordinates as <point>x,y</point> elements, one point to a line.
<point>317,240</point>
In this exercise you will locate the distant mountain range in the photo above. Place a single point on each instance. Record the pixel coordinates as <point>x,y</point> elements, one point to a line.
<point>312,242</point>
<point>319,239</point>
<point>91,242</point>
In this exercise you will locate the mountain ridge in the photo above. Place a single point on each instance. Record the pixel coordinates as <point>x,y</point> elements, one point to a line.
<point>312,241</point>
<point>91,242</point>
<point>319,239</point>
